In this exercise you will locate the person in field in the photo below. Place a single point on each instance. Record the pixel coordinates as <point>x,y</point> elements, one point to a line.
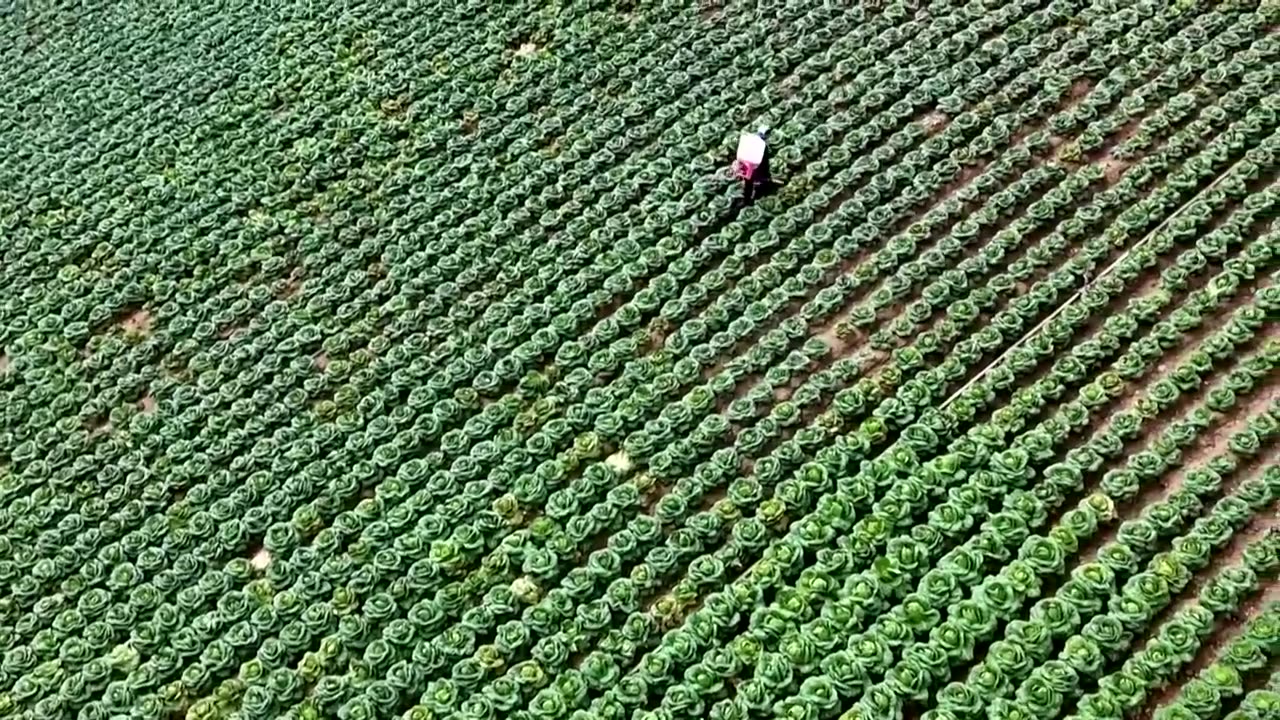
<point>752,164</point>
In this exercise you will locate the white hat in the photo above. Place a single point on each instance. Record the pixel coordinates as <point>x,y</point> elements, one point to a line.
<point>751,149</point>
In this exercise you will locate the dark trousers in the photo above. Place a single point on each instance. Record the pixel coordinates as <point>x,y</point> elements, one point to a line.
<point>755,188</point>
<point>759,183</point>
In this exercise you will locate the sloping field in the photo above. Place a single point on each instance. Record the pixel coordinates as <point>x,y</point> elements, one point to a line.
<point>370,360</point>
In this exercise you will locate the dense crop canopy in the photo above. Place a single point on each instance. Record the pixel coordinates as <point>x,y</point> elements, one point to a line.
<point>370,360</point>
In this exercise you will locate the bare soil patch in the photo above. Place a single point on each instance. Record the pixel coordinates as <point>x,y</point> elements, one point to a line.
<point>710,9</point>
<point>147,403</point>
<point>97,427</point>
<point>657,332</point>
<point>832,338</point>
<point>1113,169</point>
<point>714,495</point>
<point>967,174</point>
<point>1125,132</point>
<point>935,122</point>
<point>291,284</point>
<point>4,363</point>
<point>1079,89</point>
<point>137,322</point>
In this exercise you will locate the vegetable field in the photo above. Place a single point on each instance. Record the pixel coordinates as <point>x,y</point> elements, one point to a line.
<point>413,360</point>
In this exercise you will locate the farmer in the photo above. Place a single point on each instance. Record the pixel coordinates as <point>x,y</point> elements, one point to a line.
<point>752,164</point>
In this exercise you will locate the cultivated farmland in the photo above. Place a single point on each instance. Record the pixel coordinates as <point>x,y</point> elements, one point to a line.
<point>384,360</point>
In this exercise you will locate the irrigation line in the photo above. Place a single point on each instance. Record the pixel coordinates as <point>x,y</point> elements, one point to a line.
<point>1078,293</point>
